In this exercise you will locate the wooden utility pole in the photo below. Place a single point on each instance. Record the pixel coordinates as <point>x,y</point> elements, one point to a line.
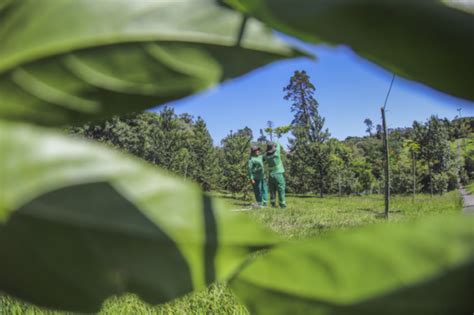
<point>387,164</point>
<point>387,157</point>
<point>413,156</point>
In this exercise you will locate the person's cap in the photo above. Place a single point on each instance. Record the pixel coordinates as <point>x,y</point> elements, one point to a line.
<point>254,149</point>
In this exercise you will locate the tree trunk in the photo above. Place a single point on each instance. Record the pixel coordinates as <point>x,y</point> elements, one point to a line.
<point>185,172</point>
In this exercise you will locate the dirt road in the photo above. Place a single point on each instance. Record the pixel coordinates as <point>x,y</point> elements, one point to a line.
<point>468,201</point>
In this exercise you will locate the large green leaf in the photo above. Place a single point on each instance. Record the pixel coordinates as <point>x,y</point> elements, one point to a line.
<point>419,268</point>
<point>80,222</point>
<point>74,60</point>
<point>429,41</point>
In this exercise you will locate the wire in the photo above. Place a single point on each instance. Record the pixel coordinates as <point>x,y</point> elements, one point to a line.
<point>388,93</point>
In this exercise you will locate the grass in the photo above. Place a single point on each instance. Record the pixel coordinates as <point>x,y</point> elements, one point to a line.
<point>306,216</point>
<point>218,299</point>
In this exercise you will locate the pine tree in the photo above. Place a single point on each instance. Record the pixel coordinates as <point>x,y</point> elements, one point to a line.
<point>282,130</point>
<point>262,139</point>
<point>204,156</point>
<point>310,152</point>
<point>370,126</point>
<point>269,130</point>
<point>233,161</point>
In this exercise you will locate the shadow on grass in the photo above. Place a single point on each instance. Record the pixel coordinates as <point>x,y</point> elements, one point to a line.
<point>241,203</point>
<point>303,196</point>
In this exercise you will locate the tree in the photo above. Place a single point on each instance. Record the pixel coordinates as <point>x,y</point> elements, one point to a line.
<point>342,175</point>
<point>177,143</point>
<point>433,138</point>
<point>310,153</point>
<point>282,130</point>
<point>269,130</point>
<point>414,149</point>
<point>378,131</point>
<point>370,126</point>
<point>262,139</point>
<point>204,156</point>
<point>233,161</point>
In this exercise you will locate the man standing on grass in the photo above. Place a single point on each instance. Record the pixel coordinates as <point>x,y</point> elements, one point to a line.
<point>256,173</point>
<point>277,177</point>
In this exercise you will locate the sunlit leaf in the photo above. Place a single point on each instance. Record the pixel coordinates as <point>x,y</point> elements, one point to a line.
<point>74,60</point>
<point>80,222</point>
<point>429,41</point>
<point>418,268</point>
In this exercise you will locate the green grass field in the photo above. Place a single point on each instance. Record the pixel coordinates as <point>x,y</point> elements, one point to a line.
<point>306,216</point>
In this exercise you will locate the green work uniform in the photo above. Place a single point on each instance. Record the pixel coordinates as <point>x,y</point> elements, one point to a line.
<point>256,172</point>
<point>277,178</point>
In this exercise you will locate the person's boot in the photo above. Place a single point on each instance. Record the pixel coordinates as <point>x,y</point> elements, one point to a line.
<point>283,206</point>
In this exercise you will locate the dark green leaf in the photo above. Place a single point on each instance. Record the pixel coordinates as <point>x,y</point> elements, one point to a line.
<point>429,41</point>
<point>418,268</point>
<point>74,60</point>
<point>80,222</point>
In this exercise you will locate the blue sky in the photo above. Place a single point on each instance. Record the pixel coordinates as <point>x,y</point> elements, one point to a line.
<point>348,89</point>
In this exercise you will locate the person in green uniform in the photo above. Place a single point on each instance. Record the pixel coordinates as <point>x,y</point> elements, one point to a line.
<point>277,178</point>
<point>256,174</point>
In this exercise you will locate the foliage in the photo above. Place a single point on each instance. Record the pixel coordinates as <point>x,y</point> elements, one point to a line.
<point>310,152</point>
<point>57,69</point>
<point>177,144</point>
<point>120,224</point>
<point>433,140</point>
<point>370,126</point>
<point>98,223</point>
<point>182,144</point>
<point>306,217</point>
<point>204,155</point>
<point>354,166</point>
<point>233,160</point>
<point>282,130</point>
<point>270,129</point>
<point>406,37</point>
<point>396,273</point>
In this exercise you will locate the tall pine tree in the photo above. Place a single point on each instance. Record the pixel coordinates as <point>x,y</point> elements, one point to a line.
<point>310,152</point>
<point>233,161</point>
<point>204,156</point>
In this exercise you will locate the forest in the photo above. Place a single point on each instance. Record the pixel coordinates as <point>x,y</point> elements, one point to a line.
<point>433,156</point>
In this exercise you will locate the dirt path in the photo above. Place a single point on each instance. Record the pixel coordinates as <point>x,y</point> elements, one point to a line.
<point>468,201</point>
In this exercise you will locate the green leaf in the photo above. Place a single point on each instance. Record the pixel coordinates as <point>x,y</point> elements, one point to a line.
<point>4,4</point>
<point>80,222</point>
<point>429,41</point>
<point>425,267</point>
<point>75,60</point>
